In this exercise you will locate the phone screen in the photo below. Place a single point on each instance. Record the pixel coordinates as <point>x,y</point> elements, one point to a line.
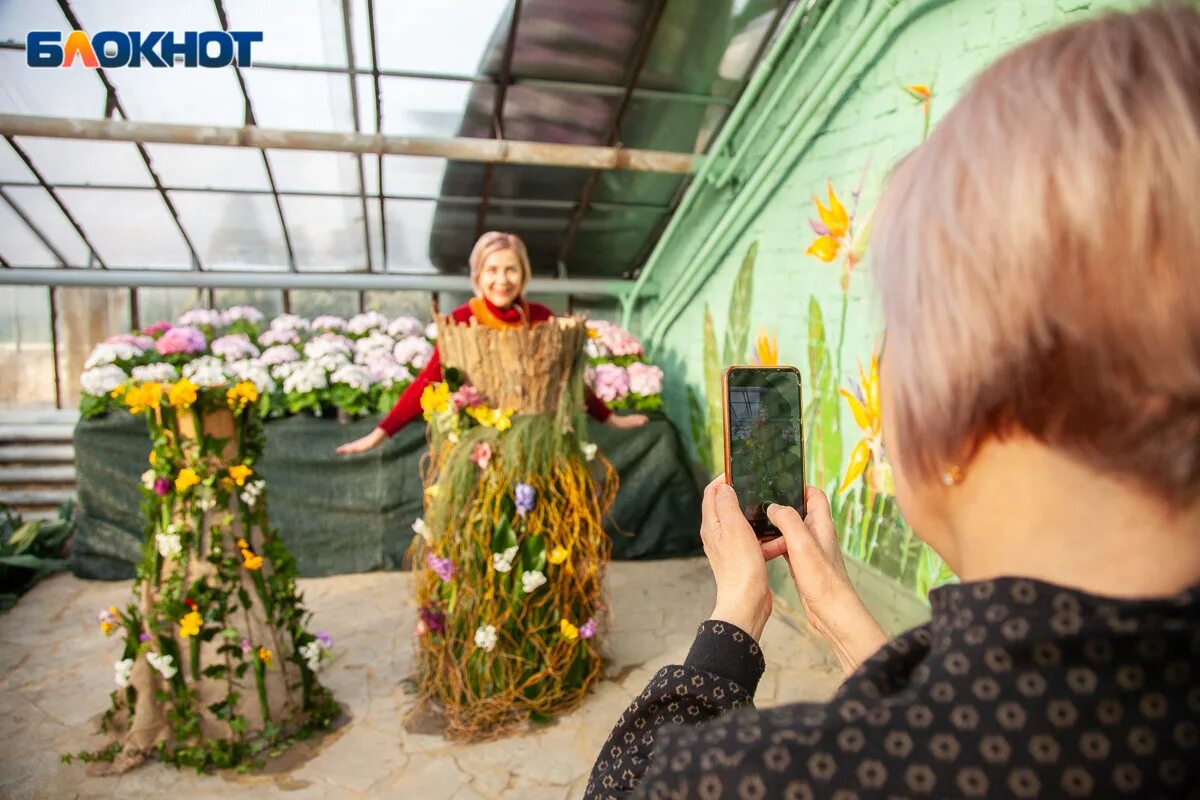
<point>764,442</point>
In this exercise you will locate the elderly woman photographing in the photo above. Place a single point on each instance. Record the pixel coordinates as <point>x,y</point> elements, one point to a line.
<point>1037,259</point>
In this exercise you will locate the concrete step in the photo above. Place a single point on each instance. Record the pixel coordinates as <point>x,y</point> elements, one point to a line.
<point>38,514</point>
<point>49,473</point>
<point>37,432</point>
<point>36,454</point>
<point>38,415</point>
<point>35,498</point>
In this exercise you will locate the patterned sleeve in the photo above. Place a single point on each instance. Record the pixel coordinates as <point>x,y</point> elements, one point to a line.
<point>721,673</point>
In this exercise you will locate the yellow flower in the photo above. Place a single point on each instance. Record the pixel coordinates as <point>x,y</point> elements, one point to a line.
<point>568,630</point>
<point>558,555</point>
<point>836,220</point>
<point>265,656</point>
<point>182,394</point>
<point>920,91</point>
<point>504,420</point>
<point>251,561</point>
<point>241,395</point>
<point>153,458</point>
<point>864,405</point>
<point>768,349</point>
<point>242,543</point>
<point>186,479</point>
<point>141,398</point>
<point>226,483</point>
<point>239,473</point>
<point>824,248</point>
<point>593,333</point>
<point>107,627</point>
<point>119,391</point>
<point>432,491</point>
<point>190,624</point>
<point>435,399</point>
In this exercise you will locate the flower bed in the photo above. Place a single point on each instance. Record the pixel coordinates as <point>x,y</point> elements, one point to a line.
<point>617,370</point>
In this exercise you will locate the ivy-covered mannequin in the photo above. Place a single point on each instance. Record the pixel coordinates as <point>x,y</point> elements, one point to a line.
<point>217,664</point>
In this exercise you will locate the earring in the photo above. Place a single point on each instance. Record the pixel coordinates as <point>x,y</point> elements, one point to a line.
<point>952,476</point>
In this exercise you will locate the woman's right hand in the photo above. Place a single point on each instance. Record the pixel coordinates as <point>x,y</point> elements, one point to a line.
<point>819,572</point>
<point>368,442</point>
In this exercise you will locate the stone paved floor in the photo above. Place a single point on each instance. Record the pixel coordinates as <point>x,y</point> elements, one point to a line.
<point>56,673</point>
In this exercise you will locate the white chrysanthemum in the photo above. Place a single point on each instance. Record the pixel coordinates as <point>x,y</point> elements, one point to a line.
<point>255,371</point>
<point>200,316</point>
<point>354,376</point>
<point>234,347</point>
<point>306,376</point>
<point>102,380</point>
<point>413,352</point>
<point>206,372</point>
<point>328,322</point>
<point>248,313</point>
<point>122,670</point>
<point>169,544</point>
<point>279,354</point>
<point>108,352</point>
<point>160,372</point>
<point>289,322</point>
<point>164,664</point>
<point>531,580</point>
<point>502,562</point>
<point>406,326</point>
<point>367,321</point>
<point>485,638</point>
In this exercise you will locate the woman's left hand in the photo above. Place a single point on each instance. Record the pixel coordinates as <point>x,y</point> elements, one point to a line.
<point>736,559</point>
<point>623,422</point>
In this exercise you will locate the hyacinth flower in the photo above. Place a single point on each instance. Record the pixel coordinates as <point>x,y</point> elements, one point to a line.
<point>444,567</point>
<point>863,400</point>
<point>526,498</point>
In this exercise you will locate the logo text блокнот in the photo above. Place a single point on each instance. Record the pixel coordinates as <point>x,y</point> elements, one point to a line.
<point>140,48</point>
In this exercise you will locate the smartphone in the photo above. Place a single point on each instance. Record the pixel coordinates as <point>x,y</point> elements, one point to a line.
<point>764,441</point>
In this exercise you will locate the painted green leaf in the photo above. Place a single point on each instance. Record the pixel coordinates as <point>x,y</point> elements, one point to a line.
<point>699,420</point>
<point>825,434</point>
<point>712,392</point>
<point>739,310</point>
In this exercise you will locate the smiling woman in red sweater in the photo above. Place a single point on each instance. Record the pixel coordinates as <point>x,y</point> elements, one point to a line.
<point>499,272</point>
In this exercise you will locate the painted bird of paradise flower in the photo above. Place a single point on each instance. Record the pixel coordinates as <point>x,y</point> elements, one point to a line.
<point>837,233</point>
<point>766,349</point>
<point>923,94</point>
<point>863,400</point>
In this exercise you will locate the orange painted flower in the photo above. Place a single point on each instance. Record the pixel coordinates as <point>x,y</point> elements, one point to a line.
<point>865,407</point>
<point>831,229</point>
<point>919,90</point>
<point>767,348</point>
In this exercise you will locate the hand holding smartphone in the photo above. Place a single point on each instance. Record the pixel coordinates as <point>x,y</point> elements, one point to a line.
<point>764,441</point>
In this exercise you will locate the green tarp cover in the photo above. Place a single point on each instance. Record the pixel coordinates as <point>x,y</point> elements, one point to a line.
<point>342,514</point>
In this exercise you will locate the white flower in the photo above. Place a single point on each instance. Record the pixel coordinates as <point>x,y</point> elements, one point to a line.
<point>532,580</point>
<point>502,562</point>
<point>329,344</point>
<point>148,479</point>
<point>311,653</point>
<point>372,344</point>
<point>413,351</point>
<point>485,637</point>
<point>276,336</point>
<point>354,376</point>
<point>279,354</point>
<point>251,493</point>
<point>331,362</point>
<point>328,322</point>
<point>248,313</point>
<point>370,320</point>
<point>122,670</point>
<point>406,326</point>
<point>289,322</point>
<point>234,346</point>
<point>206,372</point>
<point>160,372</point>
<point>205,499</point>
<point>589,451</point>
<point>255,371</point>
<point>169,544</point>
<point>594,349</point>
<point>164,664</point>
<point>421,530</point>
<point>102,380</point>
<point>200,316</point>
<point>305,377</point>
<point>431,330</point>
<point>387,370</point>
<point>108,352</point>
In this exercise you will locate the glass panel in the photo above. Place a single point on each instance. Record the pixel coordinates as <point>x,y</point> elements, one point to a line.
<point>315,302</point>
<point>326,232</point>
<point>554,115</point>
<point>19,245</point>
<point>167,304</point>
<point>77,161</point>
<point>301,170</point>
<point>409,227</point>
<point>12,168</point>
<point>48,217</point>
<point>609,241</point>
<point>516,181</point>
<point>754,20</point>
<point>397,303</point>
<point>305,101</point>
<point>18,19</point>
<point>233,231</point>
<point>410,175</point>
<point>268,301</point>
<point>663,124</point>
<point>541,229</point>
<point>86,315</point>
<point>591,42</point>
<point>74,92</point>
<point>25,315</point>
<point>645,188</point>
<point>26,357</point>
<point>429,35</point>
<point>294,31</point>
<point>366,102</point>
<point>129,227</point>
<point>194,166</point>
<point>375,233</point>
<point>419,107</point>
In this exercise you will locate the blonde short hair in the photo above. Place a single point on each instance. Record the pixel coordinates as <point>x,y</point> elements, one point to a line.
<point>1039,257</point>
<point>494,242</point>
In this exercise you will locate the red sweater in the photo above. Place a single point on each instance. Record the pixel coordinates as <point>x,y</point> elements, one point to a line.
<point>408,407</point>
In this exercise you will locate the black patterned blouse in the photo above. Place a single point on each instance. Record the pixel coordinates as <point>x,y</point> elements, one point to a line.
<point>1015,688</point>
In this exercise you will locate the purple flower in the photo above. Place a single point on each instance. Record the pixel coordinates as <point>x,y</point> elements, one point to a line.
<point>588,629</point>
<point>435,620</point>
<point>325,639</point>
<point>234,346</point>
<point>444,567</point>
<point>143,637</point>
<point>162,486</point>
<point>526,496</point>
<point>278,336</point>
<point>180,340</point>
<point>612,382</point>
<point>246,648</point>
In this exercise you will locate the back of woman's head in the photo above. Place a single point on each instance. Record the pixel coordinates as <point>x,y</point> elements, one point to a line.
<point>1039,257</point>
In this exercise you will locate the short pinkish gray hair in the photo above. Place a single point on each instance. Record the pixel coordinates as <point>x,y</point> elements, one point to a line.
<point>494,242</point>
<point>1039,258</point>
